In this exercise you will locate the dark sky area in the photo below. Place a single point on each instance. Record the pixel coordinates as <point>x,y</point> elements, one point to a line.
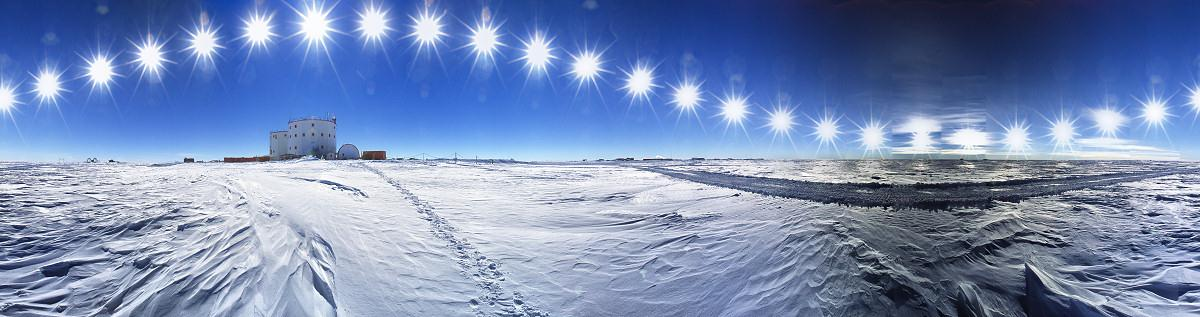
<point>982,66</point>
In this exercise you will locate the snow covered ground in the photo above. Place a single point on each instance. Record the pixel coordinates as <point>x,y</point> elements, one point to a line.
<point>674,238</point>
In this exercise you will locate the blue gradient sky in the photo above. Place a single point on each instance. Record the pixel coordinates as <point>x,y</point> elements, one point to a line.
<point>975,64</point>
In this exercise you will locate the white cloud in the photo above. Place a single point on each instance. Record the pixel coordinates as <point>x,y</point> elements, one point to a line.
<point>1115,148</point>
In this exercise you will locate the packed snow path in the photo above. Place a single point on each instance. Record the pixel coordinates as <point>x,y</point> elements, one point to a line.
<point>927,196</point>
<point>484,271</point>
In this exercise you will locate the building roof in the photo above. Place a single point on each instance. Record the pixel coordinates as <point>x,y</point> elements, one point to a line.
<point>314,118</point>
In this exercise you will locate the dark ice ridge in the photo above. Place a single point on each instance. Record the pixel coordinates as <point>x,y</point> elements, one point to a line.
<point>921,195</point>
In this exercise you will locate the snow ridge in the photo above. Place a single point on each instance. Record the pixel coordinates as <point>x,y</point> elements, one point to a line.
<point>484,271</point>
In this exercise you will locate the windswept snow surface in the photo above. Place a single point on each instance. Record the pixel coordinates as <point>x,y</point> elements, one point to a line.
<point>317,238</point>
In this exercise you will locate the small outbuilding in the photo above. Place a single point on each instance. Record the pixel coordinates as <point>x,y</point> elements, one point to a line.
<point>348,152</point>
<point>265,158</point>
<point>374,155</point>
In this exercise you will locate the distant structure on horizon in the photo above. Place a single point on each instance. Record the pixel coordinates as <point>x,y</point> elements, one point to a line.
<point>306,136</point>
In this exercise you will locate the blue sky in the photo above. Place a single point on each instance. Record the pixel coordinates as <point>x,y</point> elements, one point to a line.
<point>976,65</point>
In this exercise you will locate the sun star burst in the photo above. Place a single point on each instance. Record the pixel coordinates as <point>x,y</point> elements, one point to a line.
<point>47,85</point>
<point>586,67</point>
<point>1194,99</point>
<point>871,136</point>
<point>1062,132</point>
<point>203,44</point>
<point>1016,138</point>
<point>687,96</point>
<point>427,29</point>
<point>1108,121</point>
<point>149,56</point>
<point>734,110</point>
<point>373,24</point>
<point>826,129</point>
<point>100,71</point>
<point>537,53</point>
<point>315,26</point>
<point>257,30</point>
<point>781,121</point>
<point>640,82</point>
<point>1155,113</point>
<point>8,97</point>
<point>485,41</point>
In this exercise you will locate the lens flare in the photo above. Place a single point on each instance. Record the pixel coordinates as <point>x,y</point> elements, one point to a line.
<point>639,82</point>
<point>203,44</point>
<point>586,67</point>
<point>1108,121</point>
<point>826,129</point>
<point>8,98</point>
<point>315,26</point>
<point>1194,99</point>
<point>485,41</point>
<point>373,24</point>
<point>921,129</point>
<point>1016,138</point>
<point>1062,132</point>
<point>872,137</point>
<point>100,71</point>
<point>734,110</point>
<point>781,122</point>
<point>971,141</point>
<point>687,96</point>
<point>150,57</point>
<point>922,141</point>
<point>969,138</point>
<point>537,53</point>
<point>1155,113</point>
<point>47,85</point>
<point>256,30</point>
<point>427,29</point>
